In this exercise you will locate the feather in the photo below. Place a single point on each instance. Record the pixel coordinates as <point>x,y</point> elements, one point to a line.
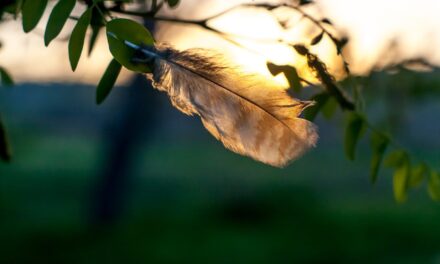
<point>237,109</point>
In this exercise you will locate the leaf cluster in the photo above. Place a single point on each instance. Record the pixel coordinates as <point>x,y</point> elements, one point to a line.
<point>98,16</point>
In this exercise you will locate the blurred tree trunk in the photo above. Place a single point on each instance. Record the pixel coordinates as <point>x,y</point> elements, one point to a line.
<point>136,122</point>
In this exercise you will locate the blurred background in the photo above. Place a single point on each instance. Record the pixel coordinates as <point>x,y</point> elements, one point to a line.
<point>135,181</point>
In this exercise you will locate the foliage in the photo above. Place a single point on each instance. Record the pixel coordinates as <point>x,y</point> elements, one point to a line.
<point>99,14</point>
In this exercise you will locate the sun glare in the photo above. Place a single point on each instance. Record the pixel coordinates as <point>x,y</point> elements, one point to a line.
<point>252,38</point>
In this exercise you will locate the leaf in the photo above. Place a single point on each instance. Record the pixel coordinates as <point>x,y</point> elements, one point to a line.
<point>434,186</point>
<point>293,78</point>
<point>97,22</point>
<point>418,174</point>
<point>379,144</point>
<point>329,108</point>
<point>5,154</point>
<point>173,3</point>
<point>290,73</point>
<point>18,7</point>
<point>355,128</point>
<point>274,69</point>
<point>326,21</point>
<point>311,112</point>
<point>76,41</point>
<point>93,38</point>
<point>317,39</point>
<point>32,11</point>
<point>6,78</point>
<point>305,2</point>
<point>107,81</point>
<point>120,30</point>
<point>340,44</point>
<point>400,181</point>
<point>57,19</point>
<point>395,158</point>
<point>301,49</point>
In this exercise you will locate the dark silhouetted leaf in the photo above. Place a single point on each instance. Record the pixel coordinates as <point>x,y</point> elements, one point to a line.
<point>274,69</point>
<point>293,78</point>
<point>326,21</point>
<point>434,186</point>
<point>379,144</point>
<point>418,174</point>
<point>301,49</point>
<point>5,154</point>
<point>120,30</point>
<point>305,2</point>
<point>290,72</point>
<point>311,112</point>
<point>6,78</point>
<point>353,132</point>
<point>317,39</point>
<point>32,11</point>
<point>57,19</point>
<point>173,3</point>
<point>400,181</point>
<point>107,81</point>
<point>340,44</point>
<point>76,41</point>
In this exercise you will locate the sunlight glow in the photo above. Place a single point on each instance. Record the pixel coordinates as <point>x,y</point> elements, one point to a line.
<point>256,34</point>
<point>253,37</point>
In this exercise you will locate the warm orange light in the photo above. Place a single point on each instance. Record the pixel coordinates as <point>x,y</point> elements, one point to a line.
<point>253,37</point>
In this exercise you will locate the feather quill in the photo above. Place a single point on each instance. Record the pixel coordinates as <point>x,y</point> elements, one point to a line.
<point>237,109</point>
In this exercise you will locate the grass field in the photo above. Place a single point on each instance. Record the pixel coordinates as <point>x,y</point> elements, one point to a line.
<point>190,200</point>
<point>208,205</point>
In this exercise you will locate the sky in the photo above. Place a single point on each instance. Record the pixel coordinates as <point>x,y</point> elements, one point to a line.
<point>373,26</point>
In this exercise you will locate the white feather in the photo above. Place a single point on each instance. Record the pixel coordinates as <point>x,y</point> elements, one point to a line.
<point>237,109</point>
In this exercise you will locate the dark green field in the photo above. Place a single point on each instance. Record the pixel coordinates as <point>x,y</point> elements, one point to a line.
<point>190,200</point>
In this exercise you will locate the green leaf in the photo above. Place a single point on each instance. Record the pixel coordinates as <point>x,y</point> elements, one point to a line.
<point>434,186</point>
<point>353,132</point>
<point>107,81</point>
<point>57,19</point>
<point>329,108</point>
<point>6,78</point>
<point>317,39</point>
<point>76,41</point>
<point>311,112</point>
<point>32,11</point>
<point>418,174</point>
<point>120,30</point>
<point>5,154</point>
<point>93,38</point>
<point>173,3</point>
<point>379,144</point>
<point>395,158</point>
<point>18,7</point>
<point>400,181</point>
<point>96,23</point>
